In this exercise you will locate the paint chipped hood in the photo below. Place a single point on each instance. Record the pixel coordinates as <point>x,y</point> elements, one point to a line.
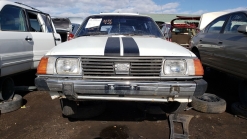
<point>132,46</point>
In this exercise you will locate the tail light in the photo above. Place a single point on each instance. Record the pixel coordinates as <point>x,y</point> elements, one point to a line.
<point>70,36</point>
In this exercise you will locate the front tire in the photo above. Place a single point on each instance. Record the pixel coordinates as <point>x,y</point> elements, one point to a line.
<point>81,109</point>
<point>7,88</point>
<point>173,107</point>
<point>242,91</point>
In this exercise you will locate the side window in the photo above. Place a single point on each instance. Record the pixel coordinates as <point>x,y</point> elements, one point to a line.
<point>12,19</point>
<point>216,25</point>
<point>235,21</point>
<point>47,23</point>
<point>35,25</point>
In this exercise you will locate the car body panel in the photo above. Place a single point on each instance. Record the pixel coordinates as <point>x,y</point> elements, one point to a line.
<point>16,53</point>
<point>148,46</point>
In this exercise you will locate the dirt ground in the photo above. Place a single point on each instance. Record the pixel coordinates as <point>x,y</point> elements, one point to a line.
<point>40,117</point>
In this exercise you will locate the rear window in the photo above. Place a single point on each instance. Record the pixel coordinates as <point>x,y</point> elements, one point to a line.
<point>62,24</point>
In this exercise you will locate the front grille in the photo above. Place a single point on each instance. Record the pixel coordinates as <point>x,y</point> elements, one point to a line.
<point>104,66</point>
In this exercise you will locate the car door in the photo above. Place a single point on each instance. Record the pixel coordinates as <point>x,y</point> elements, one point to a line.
<point>43,37</point>
<point>210,52</point>
<point>16,44</point>
<point>235,45</point>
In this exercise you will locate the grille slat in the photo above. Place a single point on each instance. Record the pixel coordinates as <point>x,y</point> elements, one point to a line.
<point>105,66</point>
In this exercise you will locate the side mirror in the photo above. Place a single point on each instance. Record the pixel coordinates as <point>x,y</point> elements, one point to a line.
<point>242,29</point>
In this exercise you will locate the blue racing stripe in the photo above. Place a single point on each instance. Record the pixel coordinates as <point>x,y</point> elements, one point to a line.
<point>130,47</point>
<point>112,47</point>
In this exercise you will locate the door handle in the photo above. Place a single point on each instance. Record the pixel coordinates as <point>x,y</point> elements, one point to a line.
<point>220,42</point>
<point>200,40</point>
<point>28,39</point>
<point>57,39</point>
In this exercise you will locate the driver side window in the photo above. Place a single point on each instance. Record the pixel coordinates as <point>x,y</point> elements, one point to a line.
<point>12,19</point>
<point>216,25</point>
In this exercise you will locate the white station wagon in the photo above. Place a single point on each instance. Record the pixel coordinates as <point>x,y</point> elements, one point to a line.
<point>120,57</point>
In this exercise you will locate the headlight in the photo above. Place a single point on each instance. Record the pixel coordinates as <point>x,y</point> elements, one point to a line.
<point>183,67</point>
<point>68,66</point>
<point>54,65</point>
<point>175,67</point>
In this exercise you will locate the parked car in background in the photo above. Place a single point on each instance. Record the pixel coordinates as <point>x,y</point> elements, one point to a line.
<point>67,26</point>
<point>160,23</point>
<point>120,57</point>
<point>183,28</point>
<point>166,30</point>
<point>76,22</point>
<point>26,34</point>
<point>222,45</point>
<point>206,18</point>
<point>63,27</point>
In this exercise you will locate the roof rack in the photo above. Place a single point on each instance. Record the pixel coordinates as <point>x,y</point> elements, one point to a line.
<point>28,6</point>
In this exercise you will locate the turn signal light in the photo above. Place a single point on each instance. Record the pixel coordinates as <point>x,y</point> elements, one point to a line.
<point>42,66</point>
<point>198,67</point>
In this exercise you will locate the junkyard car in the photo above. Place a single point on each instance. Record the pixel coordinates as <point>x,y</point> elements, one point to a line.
<point>222,44</point>
<point>166,30</point>
<point>26,35</point>
<point>120,57</point>
<point>67,26</point>
<point>183,32</point>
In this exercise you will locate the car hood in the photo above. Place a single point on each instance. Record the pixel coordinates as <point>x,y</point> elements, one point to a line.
<point>120,46</point>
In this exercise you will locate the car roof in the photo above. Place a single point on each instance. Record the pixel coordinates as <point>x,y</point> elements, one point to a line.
<point>120,14</point>
<point>4,2</point>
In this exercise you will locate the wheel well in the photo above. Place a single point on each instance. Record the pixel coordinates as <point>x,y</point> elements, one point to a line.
<point>196,52</point>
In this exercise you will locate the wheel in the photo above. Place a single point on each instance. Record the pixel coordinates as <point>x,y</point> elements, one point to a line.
<point>7,88</point>
<point>242,92</point>
<point>81,109</point>
<point>150,108</point>
<point>173,107</point>
<point>11,105</point>
<point>239,109</point>
<point>208,103</point>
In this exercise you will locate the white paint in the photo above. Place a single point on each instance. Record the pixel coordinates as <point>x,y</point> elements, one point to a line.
<point>95,45</point>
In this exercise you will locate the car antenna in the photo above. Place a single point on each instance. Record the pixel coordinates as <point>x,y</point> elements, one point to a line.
<point>28,6</point>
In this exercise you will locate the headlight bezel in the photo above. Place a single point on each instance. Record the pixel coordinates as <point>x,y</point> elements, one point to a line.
<point>75,61</point>
<point>171,65</point>
<point>193,67</point>
<point>48,66</point>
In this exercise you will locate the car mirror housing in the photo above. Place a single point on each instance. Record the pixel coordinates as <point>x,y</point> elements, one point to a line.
<point>242,29</point>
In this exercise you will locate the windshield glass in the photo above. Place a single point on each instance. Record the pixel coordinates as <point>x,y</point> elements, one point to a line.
<point>119,25</point>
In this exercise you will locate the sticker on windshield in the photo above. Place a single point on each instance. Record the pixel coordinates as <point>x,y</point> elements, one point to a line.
<point>93,22</point>
<point>107,21</point>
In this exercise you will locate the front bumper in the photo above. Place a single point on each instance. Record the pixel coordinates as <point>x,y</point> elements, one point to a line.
<point>122,90</point>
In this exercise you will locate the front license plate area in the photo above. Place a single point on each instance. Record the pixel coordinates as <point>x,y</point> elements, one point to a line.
<point>120,89</point>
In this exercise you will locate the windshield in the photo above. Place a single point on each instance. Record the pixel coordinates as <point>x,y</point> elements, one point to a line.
<point>119,25</point>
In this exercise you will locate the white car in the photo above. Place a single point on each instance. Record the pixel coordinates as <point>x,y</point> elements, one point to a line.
<point>26,35</point>
<point>120,57</point>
